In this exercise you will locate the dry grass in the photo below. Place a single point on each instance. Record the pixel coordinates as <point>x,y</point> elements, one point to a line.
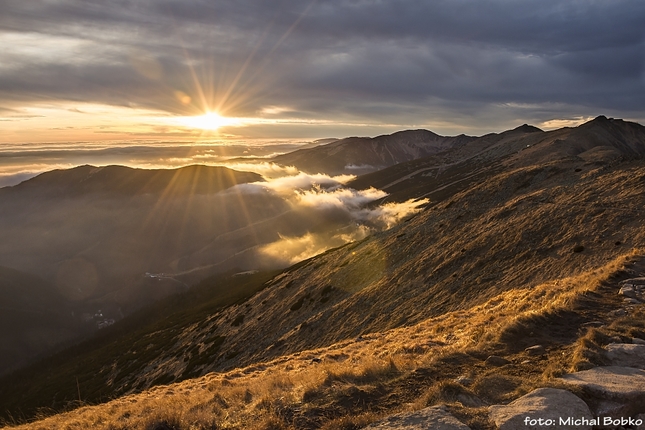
<point>349,384</point>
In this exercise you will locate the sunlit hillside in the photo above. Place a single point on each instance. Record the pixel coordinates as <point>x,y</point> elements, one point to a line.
<point>441,360</point>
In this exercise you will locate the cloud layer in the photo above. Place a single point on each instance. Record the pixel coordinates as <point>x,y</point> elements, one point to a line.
<point>334,214</point>
<point>20,162</point>
<point>362,66</point>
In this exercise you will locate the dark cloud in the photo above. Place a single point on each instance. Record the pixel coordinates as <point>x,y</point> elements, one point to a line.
<point>394,62</point>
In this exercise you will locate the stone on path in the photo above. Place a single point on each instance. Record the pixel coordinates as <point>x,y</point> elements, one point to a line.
<point>434,417</point>
<point>535,350</point>
<point>614,391</point>
<point>626,355</point>
<point>544,403</point>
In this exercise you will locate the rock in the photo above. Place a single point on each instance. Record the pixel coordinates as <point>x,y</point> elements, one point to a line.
<point>544,403</point>
<point>535,350</point>
<point>615,391</point>
<point>434,417</point>
<point>634,281</point>
<point>626,355</point>
<point>638,341</point>
<point>470,400</point>
<point>593,324</point>
<point>618,313</point>
<point>496,361</point>
<point>627,291</point>
<point>631,301</point>
<point>464,380</point>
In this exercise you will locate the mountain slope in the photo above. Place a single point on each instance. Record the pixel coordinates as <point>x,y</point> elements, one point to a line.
<point>96,231</point>
<point>441,360</point>
<point>437,177</point>
<point>525,222</point>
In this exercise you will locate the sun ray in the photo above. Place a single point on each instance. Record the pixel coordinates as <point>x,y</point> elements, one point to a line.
<point>208,121</point>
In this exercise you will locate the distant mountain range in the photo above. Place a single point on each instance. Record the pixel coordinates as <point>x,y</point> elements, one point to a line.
<point>436,177</point>
<point>125,181</point>
<point>358,155</point>
<point>506,211</point>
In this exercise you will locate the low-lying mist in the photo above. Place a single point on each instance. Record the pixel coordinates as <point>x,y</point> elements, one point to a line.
<point>334,214</point>
<point>140,246</point>
<point>105,250</point>
<point>19,162</point>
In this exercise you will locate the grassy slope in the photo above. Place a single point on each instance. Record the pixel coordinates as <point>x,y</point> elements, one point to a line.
<point>516,230</point>
<point>354,382</point>
<point>512,233</point>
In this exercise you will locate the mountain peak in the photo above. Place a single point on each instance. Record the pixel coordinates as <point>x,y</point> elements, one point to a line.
<point>526,128</point>
<point>603,122</point>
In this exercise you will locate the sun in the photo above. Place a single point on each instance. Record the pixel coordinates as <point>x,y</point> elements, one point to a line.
<point>208,121</point>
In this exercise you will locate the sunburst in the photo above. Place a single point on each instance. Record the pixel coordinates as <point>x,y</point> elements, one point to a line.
<point>209,121</point>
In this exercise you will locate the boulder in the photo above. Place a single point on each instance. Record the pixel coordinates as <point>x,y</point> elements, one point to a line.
<point>543,408</point>
<point>626,355</point>
<point>434,417</point>
<point>612,390</point>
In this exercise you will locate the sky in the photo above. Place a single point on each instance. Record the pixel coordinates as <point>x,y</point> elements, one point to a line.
<point>144,70</point>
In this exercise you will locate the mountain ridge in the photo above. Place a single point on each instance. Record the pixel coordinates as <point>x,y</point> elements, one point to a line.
<point>86,179</point>
<point>363,154</point>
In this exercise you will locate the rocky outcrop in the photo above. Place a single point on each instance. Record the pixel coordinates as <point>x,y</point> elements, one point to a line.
<point>633,290</point>
<point>626,355</point>
<point>612,390</point>
<point>548,408</point>
<point>435,418</point>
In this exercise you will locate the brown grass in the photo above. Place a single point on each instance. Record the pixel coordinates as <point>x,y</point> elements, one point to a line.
<point>352,383</point>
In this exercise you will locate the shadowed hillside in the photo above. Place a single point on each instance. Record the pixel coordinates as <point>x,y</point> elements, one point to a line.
<point>34,318</point>
<point>83,239</point>
<point>110,240</point>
